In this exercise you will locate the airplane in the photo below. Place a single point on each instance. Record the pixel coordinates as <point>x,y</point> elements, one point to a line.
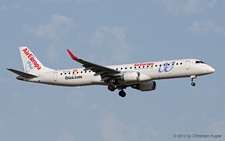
<point>140,76</point>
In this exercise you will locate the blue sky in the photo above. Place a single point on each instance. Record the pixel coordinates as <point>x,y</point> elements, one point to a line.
<point>112,32</point>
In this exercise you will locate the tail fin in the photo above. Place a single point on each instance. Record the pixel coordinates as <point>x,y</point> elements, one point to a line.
<point>31,63</point>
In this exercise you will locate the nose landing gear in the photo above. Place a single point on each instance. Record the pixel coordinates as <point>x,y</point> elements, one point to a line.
<point>192,83</point>
<point>192,80</point>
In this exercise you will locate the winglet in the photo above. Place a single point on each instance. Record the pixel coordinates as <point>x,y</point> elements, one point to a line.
<point>71,55</point>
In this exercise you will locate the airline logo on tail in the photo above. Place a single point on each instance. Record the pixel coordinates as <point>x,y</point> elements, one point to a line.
<point>32,59</point>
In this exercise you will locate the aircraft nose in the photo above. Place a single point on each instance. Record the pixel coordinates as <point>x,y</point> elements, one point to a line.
<point>211,69</point>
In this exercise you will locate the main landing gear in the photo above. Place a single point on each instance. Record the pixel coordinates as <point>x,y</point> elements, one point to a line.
<point>192,80</point>
<point>121,92</point>
<point>111,87</point>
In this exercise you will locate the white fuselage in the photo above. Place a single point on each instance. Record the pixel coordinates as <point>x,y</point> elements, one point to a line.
<point>138,76</point>
<point>155,70</point>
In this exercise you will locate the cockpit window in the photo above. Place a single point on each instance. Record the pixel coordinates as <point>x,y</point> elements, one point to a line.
<point>199,62</point>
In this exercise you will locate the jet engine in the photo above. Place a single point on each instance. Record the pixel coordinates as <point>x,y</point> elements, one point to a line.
<point>134,76</point>
<point>130,76</point>
<point>145,86</point>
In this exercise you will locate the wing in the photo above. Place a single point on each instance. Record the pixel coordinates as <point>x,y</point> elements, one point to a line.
<point>25,75</point>
<point>105,72</point>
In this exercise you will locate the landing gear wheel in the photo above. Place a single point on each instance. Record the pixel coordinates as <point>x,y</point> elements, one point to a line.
<point>122,93</point>
<point>111,88</point>
<point>192,80</point>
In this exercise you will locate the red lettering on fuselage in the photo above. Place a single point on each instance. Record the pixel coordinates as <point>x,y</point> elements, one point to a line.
<point>144,64</point>
<point>31,58</point>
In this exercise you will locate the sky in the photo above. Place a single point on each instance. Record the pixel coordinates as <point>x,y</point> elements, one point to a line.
<point>109,32</point>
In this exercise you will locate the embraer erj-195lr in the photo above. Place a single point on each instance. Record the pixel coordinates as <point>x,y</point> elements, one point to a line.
<point>139,76</point>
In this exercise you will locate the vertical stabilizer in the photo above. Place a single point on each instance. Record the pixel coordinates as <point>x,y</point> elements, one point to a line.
<point>31,64</point>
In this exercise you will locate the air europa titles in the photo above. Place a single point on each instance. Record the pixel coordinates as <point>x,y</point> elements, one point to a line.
<point>144,64</point>
<point>31,58</point>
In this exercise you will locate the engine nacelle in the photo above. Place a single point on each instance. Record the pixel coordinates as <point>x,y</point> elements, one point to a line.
<point>130,76</point>
<point>134,76</point>
<point>146,86</point>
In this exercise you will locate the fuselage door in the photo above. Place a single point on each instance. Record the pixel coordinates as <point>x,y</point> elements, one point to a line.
<point>55,76</point>
<point>187,65</point>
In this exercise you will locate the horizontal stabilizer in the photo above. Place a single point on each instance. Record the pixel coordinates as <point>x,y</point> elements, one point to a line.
<point>26,75</point>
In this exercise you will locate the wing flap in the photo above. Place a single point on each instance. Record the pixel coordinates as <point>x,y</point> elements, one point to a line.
<point>23,74</point>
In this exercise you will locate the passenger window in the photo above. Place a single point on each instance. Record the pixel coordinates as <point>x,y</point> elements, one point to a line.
<point>130,67</point>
